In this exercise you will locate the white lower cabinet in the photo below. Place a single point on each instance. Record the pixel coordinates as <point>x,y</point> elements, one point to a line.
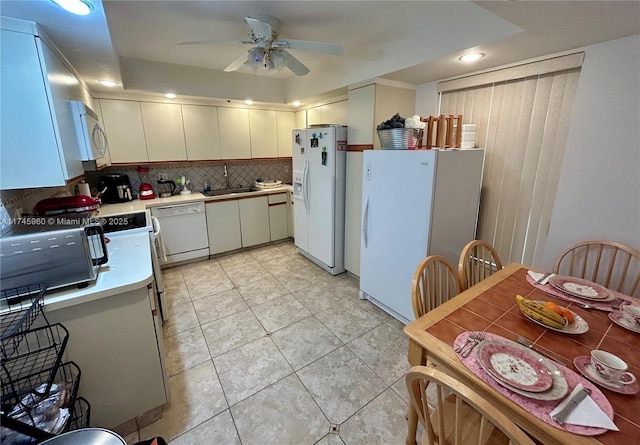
<point>278,219</point>
<point>117,343</point>
<point>254,221</point>
<point>223,226</point>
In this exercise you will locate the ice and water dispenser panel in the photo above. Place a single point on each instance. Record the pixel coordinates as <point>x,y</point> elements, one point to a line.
<point>298,190</point>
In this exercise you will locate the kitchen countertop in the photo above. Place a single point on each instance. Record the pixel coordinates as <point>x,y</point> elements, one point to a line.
<point>138,205</point>
<point>129,267</point>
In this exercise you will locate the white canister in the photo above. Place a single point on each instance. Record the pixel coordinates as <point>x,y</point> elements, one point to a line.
<point>84,189</point>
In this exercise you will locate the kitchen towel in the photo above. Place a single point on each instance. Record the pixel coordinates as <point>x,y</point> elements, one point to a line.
<point>586,413</point>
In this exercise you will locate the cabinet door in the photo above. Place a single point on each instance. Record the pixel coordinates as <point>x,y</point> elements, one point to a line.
<point>201,134</point>
<point>254,221</point>
<point>301,119</point>
<point>235,141</point>
<point>314,116</point>
<point>123,125</point>
<point>264,133</point>
<point>335,113</point>
<point>29,155</point>
<point>286,122</point>
<point>223,226</point>
<point>278,216</point>
<point>163,131</point>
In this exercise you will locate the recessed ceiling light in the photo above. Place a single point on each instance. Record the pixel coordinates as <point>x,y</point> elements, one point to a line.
<point>170,96</point>
<point>78,7</point>
<point>471,57</point>
<point>248,102</point>
<point>295,103</point>
<point>109,83</point>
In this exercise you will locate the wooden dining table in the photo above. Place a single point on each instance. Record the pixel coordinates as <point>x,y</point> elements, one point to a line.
<point>491,306</point>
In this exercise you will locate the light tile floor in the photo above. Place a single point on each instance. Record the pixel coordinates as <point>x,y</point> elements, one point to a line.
<point>264,347</point>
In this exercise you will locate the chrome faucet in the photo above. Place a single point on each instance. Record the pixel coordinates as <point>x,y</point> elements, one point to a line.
<point>226,177</point>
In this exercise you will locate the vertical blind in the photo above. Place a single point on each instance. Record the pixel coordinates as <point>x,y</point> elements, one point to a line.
<point>522,124</point>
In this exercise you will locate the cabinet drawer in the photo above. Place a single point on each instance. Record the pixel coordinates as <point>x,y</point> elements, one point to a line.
<point>278,198</point>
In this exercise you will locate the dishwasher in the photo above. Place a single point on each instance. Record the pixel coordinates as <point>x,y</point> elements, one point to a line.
<point>184,231</point>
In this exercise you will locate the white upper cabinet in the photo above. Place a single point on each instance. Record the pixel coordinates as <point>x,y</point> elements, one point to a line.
<point>301,119</point>
<point>123,125</point>
<point>264,133</point>
<point>201,134</point>
<point>163,131</point>
<point>38,142</point>
<point>335,113</point>
<point>314,116</point>
<point>286,123</point>
<point>235,140</point>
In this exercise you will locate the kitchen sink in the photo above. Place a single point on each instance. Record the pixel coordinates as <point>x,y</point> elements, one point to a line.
<point>229,191</point>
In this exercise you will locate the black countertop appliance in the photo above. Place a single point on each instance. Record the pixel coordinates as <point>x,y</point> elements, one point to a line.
<point>114,188</point>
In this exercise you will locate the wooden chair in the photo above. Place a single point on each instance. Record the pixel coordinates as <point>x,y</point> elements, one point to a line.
<point>478,260</point>
<point>611,264</point>
<point>466,418</point>
<point>434,282</point>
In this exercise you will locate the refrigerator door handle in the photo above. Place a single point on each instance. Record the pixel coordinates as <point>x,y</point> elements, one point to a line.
<point>306,186</point>
<point>365,222</point>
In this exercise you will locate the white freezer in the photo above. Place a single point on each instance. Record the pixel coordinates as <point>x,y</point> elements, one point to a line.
<point>415,203</point>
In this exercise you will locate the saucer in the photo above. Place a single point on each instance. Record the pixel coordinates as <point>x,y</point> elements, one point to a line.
<point>583,364</point>
<point>618,318</point>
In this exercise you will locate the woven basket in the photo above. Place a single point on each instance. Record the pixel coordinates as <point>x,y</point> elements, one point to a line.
<point>395,138</point>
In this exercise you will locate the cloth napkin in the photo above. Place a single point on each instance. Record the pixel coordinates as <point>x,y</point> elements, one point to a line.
<point>536,276</point>
<point>587,413</point>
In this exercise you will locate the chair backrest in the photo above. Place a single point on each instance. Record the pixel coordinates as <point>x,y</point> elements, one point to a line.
<point>465,419</point>
<point>478,260</point>
<point>608,263</point>
<point>434,282</point>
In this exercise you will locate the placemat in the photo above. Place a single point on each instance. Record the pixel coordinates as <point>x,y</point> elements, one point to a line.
<point>603,306</point>
<point>539,408</point>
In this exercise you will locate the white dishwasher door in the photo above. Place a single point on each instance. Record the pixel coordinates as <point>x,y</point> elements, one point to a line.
<point>184,231</point>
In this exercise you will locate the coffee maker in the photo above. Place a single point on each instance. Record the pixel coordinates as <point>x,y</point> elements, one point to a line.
<point>114,188</point>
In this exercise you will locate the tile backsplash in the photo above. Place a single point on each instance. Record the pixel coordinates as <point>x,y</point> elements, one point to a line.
<point>241,173</point>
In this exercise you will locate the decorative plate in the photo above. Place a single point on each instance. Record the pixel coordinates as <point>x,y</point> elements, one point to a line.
<point>581,288</point>
<point>559,386</point>
<point>516,367</point>
<point>583,364</point>
<point>579,325</point>
<point>618,318</point>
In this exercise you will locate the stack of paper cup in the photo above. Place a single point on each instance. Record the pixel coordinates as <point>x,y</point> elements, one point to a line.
<point>468,138</point>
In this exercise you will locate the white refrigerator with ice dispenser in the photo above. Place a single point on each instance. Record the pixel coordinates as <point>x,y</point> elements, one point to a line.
<point>319,165</point>
<point>415,203</point>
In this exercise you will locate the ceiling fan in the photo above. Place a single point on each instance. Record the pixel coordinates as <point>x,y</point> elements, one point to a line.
<point>270,51</point>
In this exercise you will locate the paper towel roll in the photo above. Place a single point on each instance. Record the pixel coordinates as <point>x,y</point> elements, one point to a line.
<point>84,189</point>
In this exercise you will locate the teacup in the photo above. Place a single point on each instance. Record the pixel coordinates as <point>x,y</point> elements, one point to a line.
<point>611,367</point>
<point>631,314</point>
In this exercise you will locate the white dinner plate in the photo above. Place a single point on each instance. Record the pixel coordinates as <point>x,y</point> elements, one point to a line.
<point>559,387</point>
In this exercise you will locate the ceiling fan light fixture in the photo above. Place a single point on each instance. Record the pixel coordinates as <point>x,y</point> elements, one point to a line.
<point>78,7</point>
<point>277,60</point>
<point>255,58</point>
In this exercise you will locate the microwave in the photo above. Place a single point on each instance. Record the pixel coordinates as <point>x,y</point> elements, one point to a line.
<point>54,251</point>
<point>92,139</point>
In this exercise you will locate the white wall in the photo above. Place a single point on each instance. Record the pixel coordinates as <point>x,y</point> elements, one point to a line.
<point>427,100</point>
<point>598,193</point>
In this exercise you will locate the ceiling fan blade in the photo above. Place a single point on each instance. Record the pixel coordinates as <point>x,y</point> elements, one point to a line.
<point>294,64</point>
<point>236,64</point>
<point>308,45</point>
<point>263,26</point>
